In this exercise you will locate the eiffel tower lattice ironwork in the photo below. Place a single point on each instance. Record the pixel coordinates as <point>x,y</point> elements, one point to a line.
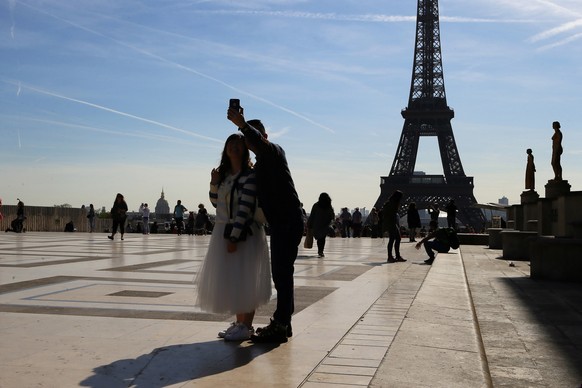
<point>428,114</point>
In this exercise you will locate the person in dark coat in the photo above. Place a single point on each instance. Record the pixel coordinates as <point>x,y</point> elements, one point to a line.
<point>119,215</point>
<point>391,224</point>
<point>319,220</point>
<point>17,224</point>
<point>413,220</point>
<point>451,209</point>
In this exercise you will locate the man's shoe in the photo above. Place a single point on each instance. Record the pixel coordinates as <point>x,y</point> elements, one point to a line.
<point>429,261</point>
<point>110,237</point>
<point>275,332</point>
<point>391,260</point>
<point>400,259</point>
<point>289,330</point>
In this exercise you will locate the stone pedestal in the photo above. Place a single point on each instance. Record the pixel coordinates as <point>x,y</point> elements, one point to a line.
<point>516,244</point>
<point>529,196</point>
<point>555,189</point>
<point>556,259</point>
<point>495,238</point>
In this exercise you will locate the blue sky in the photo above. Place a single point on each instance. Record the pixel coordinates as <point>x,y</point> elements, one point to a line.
<point>99,97</point>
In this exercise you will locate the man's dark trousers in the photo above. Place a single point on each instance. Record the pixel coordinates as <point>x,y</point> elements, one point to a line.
<point>285,239</point>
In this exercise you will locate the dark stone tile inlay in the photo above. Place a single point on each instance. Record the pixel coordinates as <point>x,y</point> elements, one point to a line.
<point>140,294</point>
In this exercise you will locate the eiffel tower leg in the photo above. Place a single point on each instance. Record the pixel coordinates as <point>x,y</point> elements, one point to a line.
<point>437,192</point>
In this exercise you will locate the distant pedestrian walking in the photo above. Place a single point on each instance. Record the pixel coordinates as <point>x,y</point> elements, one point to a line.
<point>179,210</point>
<point>119,215</point>
<point>319,221</point>
<point>346,219</point>
<point>91,218</point>
<point>145,217</point>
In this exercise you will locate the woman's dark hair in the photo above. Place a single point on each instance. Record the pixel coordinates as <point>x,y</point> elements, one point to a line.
<point>118,196</point>
<point>396,196</point>
<point>324,201</point>
<point>225,166</point>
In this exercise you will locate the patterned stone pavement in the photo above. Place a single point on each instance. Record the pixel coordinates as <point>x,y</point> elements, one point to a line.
<point>80,310</point>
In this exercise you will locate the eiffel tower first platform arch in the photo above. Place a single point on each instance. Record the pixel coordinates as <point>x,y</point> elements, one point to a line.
<point>428,114</point>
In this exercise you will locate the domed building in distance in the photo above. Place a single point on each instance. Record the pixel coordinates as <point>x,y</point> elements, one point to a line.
<point>162,209</point>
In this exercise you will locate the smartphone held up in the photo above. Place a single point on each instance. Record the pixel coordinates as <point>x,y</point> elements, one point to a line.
<point>234,103</point>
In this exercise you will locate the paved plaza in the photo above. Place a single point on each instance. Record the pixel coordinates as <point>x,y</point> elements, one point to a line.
<point>79,310</point>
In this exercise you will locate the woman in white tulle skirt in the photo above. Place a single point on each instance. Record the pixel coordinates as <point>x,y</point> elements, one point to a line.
<point>235,276</point>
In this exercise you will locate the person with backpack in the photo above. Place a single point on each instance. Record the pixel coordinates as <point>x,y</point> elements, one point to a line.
<point>438,239</point>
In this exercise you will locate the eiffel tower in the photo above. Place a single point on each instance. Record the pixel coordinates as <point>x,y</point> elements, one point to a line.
<point>428,114</point>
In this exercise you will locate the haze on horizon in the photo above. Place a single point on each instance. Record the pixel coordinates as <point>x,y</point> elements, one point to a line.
<point>101,97</point>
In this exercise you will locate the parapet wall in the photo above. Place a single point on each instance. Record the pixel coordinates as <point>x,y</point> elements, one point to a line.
<point>52,219</point>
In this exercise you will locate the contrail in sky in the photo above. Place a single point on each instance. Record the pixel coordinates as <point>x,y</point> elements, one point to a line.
<point>566,27</point>
<point>183,67</point>
<point>11,6</point>
<point>46,92</point>
<point>138,134</point>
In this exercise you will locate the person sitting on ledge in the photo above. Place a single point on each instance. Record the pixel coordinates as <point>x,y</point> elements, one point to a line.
<point>439,243</point>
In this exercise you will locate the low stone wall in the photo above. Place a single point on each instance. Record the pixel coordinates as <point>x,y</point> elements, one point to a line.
<point>52,219</point>
<point>473,238</point>
<point>516,244</point>
<point>556,259</point>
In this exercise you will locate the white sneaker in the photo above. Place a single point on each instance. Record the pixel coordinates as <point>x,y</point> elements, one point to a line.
<point>223,333</point>
<point>240,333</point>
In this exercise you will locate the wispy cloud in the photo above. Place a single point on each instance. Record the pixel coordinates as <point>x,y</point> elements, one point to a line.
<point>551,11</point>
<point>279,133</point>
<point>317,16</point>
<point>365,18</point>
<point>185,68</point>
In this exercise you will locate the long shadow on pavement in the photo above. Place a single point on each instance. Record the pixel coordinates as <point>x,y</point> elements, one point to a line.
<point>557,307</point>
<point>175,364</point>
